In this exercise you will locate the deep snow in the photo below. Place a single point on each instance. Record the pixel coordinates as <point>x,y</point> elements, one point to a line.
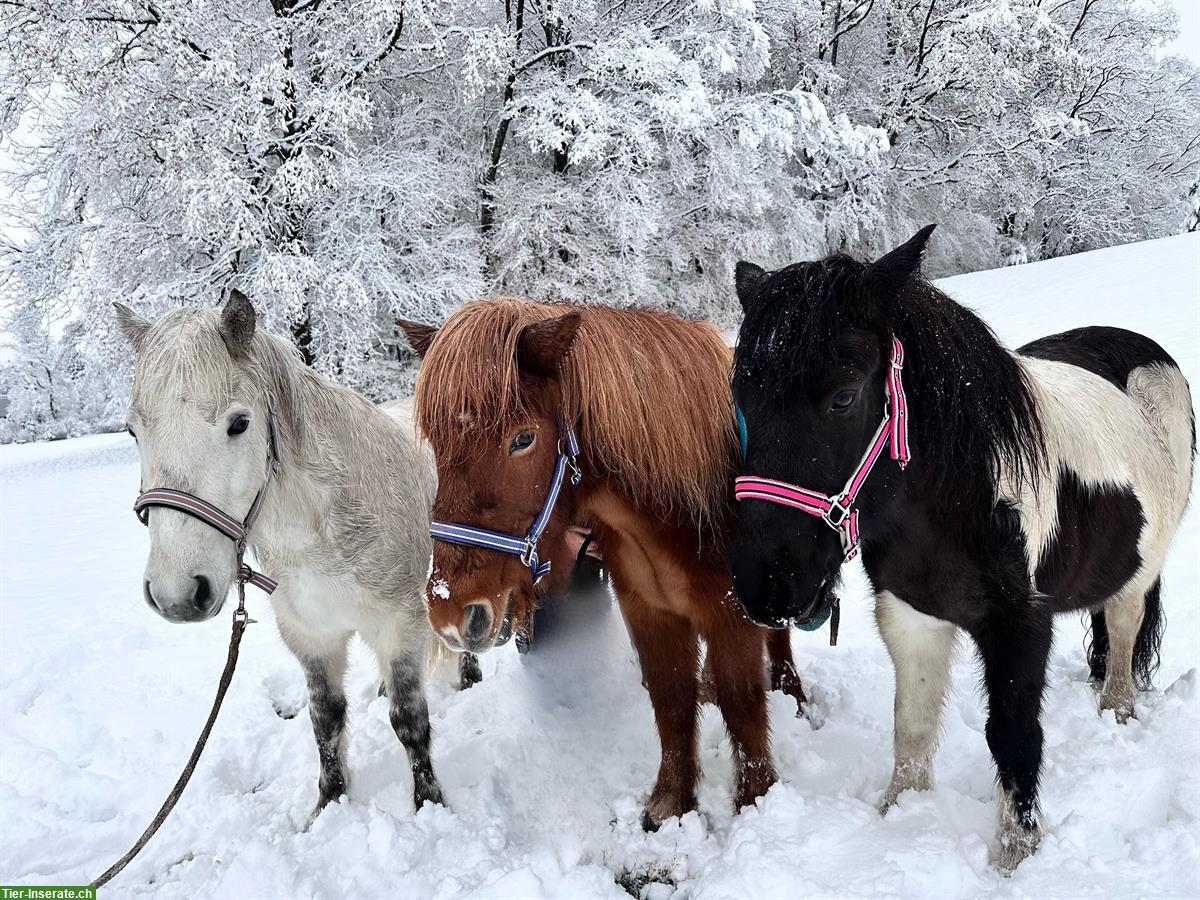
<point>546,763</point>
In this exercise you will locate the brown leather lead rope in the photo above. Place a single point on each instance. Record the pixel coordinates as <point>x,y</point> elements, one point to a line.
<point>240,620</point>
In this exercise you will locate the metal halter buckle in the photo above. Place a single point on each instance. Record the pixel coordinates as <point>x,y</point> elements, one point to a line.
<point>837,514</point>
<point>576,472</point>
<point>528,552</point>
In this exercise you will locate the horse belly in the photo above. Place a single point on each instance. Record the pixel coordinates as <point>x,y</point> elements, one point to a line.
<point>1092,552</point>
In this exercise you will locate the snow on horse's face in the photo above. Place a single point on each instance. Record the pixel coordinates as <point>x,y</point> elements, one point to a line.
<point>808,379</point>
<point>201,426</point>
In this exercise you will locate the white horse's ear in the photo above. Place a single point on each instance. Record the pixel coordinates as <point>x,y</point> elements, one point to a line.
<point>133,326</point>
<point>237,323</point>
<point>746,278</point>
<point>890,273</point>
<point>542,345</point>
<point>419,336</point>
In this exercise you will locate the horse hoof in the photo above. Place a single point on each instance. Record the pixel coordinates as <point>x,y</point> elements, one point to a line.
<point>469,673</point>
<point>323,801</point>
<point>648,824</point>
<point>430,796</point>
<point>787,681</point>
<point>1015,848</point>
<point>659,809</point>
<point>1122,709</point>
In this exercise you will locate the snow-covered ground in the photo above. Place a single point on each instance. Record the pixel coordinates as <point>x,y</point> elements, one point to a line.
<point>547,762</point>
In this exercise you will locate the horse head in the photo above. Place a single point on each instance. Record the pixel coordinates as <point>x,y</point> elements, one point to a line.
<point>490,403</point>
<point>809,381</point>
<point>201,418</point>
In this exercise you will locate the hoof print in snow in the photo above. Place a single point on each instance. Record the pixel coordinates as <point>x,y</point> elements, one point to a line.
<point>288,696</point>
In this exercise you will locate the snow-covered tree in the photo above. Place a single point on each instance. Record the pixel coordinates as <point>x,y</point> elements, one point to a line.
<point>348,163</point>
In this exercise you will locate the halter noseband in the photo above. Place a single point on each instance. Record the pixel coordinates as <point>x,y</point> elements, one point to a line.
<point>837,511</point>
<point>524,547</point>
<point>214,517</point>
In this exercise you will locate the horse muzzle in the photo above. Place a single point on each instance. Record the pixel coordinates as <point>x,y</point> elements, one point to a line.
<point>477,630</point>
<point>188,599</point>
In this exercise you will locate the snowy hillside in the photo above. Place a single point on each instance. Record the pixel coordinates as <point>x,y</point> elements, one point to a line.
<point>547,762</point>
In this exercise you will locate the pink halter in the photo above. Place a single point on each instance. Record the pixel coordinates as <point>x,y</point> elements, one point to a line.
<point>838,511</point>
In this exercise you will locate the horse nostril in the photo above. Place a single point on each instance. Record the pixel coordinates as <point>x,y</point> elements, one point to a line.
<point>477,623</point>
<point>148,596</point>
<point>203,597</point>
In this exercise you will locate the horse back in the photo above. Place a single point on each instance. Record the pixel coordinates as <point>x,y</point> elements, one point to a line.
<point>1111,353</point>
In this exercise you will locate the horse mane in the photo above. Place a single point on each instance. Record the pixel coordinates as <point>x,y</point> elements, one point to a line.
<point>185,348</point>
<point>973,410</point>
<point>648,391</point>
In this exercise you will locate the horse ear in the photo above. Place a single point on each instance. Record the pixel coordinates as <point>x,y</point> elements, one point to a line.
<point>133,326</point>
<point>237,323</point>
<point>419,336</point>
<point>891,272</point>
<point>542,345</point>
<point>746,278</point>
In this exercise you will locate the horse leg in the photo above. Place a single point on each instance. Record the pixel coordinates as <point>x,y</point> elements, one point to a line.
<point>736,648</point>
<point>1123,615</point>
<point>469,673</point>
<point>921,648</point>
<point>401,650</point>
<point>1014,641</point>
<point>323,659</point>
<point>784,676</point>
<point>667,649</point>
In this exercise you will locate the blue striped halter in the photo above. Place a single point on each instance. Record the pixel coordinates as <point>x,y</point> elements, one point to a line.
<point>524,547</point>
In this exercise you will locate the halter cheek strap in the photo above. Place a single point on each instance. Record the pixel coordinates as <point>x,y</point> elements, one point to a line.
<point>214,517</point>
<point>837,510</point>
<point>525,547</point>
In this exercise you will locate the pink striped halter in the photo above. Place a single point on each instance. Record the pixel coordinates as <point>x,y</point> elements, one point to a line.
<point>837,511</point>
<point>214,517</point>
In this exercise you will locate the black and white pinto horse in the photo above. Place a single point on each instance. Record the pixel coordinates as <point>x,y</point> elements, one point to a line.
<point>1042,481</point>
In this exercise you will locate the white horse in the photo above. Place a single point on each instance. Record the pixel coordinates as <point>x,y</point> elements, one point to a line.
<point>344,526</point>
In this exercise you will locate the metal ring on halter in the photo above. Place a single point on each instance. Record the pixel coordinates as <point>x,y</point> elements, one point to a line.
<point>576,472</point>
<point>835,503</point>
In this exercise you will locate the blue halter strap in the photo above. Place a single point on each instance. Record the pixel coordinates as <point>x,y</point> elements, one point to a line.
<point>743,436</point>
<point>524,547</point>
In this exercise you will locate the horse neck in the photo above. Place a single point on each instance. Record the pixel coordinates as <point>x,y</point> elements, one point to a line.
<point>974,418</point>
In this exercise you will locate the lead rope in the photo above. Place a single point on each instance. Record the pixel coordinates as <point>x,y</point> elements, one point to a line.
<point>240,620</point>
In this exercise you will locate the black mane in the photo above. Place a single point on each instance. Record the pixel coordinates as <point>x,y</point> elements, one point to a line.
<point>972,408</point>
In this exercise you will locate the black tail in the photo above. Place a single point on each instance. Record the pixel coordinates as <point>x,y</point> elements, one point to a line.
<point>1145,649</point>
<point>1149,640</point>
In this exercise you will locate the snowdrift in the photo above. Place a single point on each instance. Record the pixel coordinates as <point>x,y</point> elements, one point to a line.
<point>546,763</point>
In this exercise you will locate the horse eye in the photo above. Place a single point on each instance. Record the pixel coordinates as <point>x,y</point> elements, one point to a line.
<point>843,400</point>
<point>238,424</point>
<point>523,440</point>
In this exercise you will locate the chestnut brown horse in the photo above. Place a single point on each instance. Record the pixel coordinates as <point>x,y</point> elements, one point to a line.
<point>647,395</point>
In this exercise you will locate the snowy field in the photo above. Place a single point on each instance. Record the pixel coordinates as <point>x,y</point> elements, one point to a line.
<point>547,762</point>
